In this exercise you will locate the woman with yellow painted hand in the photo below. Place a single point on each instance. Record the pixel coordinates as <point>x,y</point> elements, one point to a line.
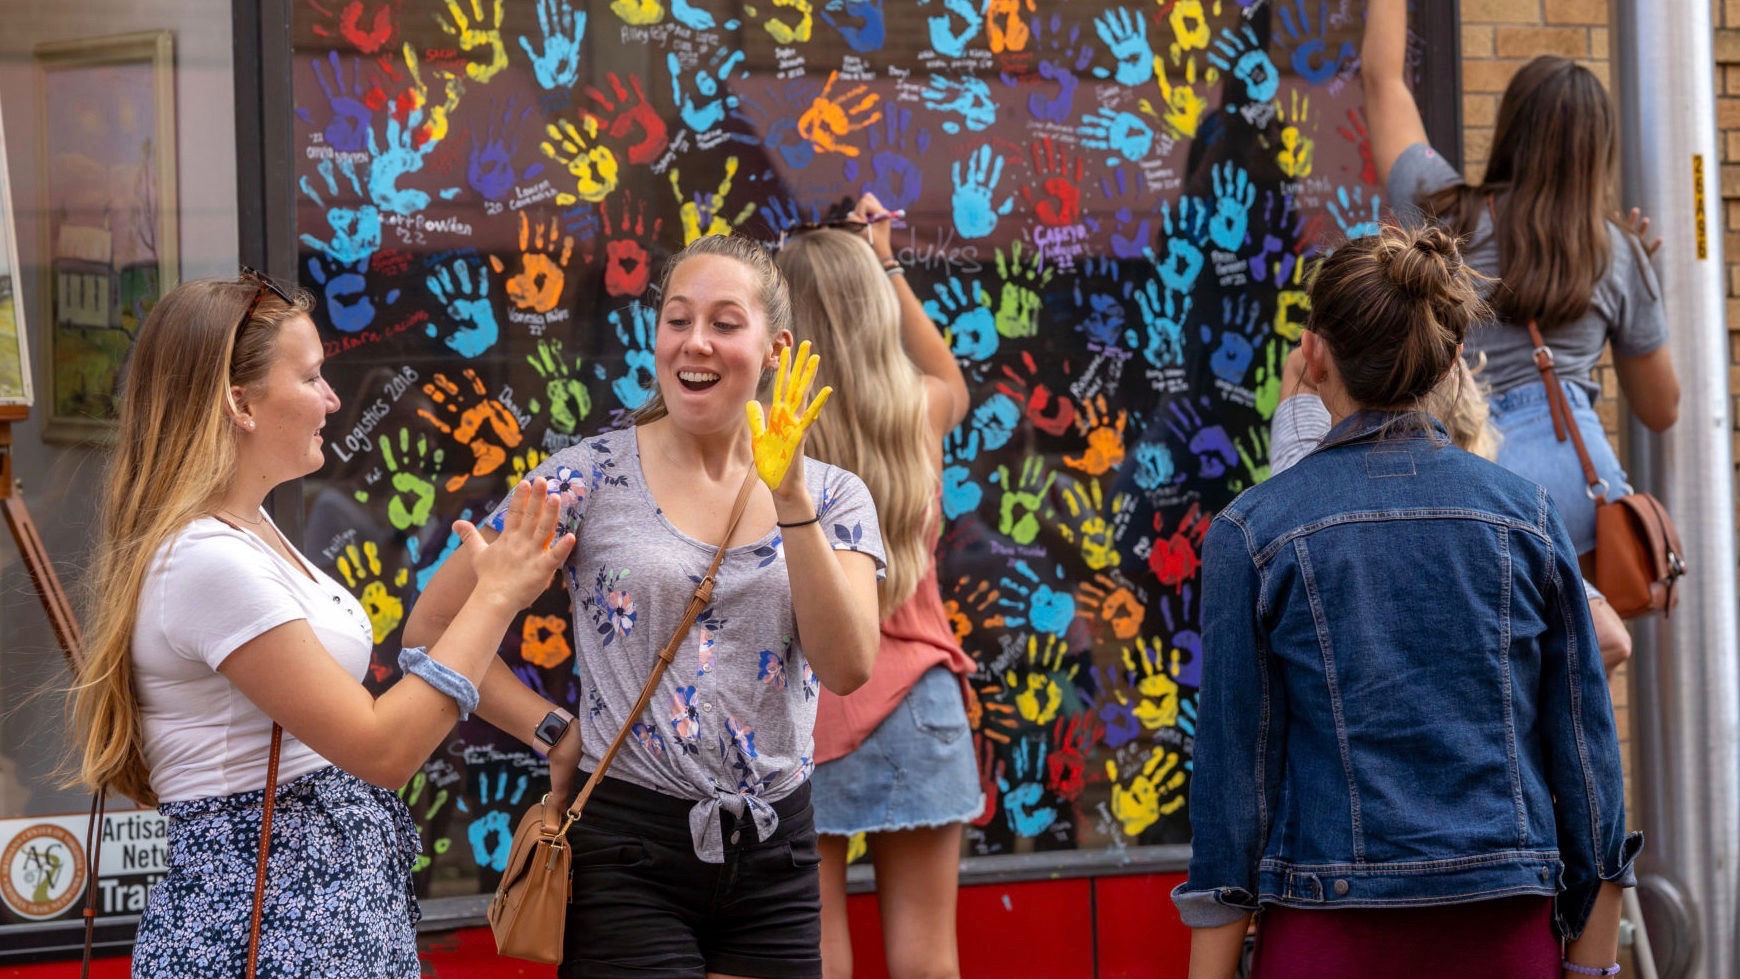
<point>697,854</point>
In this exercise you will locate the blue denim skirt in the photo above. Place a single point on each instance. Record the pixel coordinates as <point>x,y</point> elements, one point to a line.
<point>916,769</point>
<point>339,900</point>
<point>1530,450</point>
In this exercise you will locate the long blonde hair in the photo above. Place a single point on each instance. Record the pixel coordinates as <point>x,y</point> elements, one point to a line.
<point>174,457</point>
<point>876,425</point>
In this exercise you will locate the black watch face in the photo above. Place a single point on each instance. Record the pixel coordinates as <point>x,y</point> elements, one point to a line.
<point>550,731</point>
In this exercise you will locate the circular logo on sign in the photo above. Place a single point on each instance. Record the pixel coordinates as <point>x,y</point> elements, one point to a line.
<point>42,872</point>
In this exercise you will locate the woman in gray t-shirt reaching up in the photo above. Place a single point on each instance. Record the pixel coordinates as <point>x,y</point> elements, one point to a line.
<point>1541,225</point>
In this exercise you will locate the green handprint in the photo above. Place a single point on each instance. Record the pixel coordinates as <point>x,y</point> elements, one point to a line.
<point>1018,515</point>
<point>570,402</point>
<point>412,795</point>
<point>408,467</point>
<point>1255,456</point>
<point>1019,302</point>
<point>1268,386</point>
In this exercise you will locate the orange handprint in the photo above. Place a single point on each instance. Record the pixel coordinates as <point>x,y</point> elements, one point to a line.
<point>1105,437</point>
<point>538,285</point>
<point>468,422</point>
<point>544,640</point>
<point>829,119</point>
<point>1004,27</point>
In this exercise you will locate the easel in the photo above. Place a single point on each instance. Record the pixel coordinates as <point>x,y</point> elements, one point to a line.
<point>30,547</point>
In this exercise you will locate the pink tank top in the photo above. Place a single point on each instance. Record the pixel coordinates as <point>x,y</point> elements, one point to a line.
<point>916,637</point>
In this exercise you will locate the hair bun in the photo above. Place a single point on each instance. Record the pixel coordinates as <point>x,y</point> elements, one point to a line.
<point>1424,264</point>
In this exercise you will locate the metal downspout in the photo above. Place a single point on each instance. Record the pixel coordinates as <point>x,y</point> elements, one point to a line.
<point>1685,703</point>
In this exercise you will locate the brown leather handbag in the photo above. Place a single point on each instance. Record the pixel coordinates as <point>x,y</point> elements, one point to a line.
<point>1638,557</point>
<point>530,909</point>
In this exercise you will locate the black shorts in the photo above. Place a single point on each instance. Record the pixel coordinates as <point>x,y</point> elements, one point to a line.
<point>645,905</point>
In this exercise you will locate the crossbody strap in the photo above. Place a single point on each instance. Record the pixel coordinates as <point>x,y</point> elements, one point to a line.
<point>93,858</point>
<point>265,850</point>
<point>1560,409</point>
<point>697,602</point>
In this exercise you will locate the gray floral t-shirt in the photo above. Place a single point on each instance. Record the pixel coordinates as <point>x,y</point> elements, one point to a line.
<point>732,721</point>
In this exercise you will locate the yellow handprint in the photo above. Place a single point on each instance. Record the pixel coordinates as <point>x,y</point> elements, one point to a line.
<point>1038,698</point>
<point>1295,155</point>
<point>1190,26</point>
<point>472,35</point>
<point>786,33</point>
<point>593,166</point>
<point>434,129</point>
<point>385,610</point>
<point>638,13</point>
<point>1141,805</point>
<point>778,434</point>
<point>1293,306</point>
<point>699,221</point>
<point>1087,524</point>
<point>1153,667</point>
<point>1184,107</point>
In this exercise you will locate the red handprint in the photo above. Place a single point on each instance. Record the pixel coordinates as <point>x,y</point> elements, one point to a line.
<point>1175,559</point>
<point>1355,133</point>
<point>990,773</point>
<point>627,267</point>
<point>626,110</point>
<point>1060,181</point>
<point>1073,739</point>
<point>1050,413</point>
<point>367,40</point>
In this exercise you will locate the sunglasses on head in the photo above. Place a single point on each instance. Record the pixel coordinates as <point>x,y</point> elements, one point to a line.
<point>262,285</point>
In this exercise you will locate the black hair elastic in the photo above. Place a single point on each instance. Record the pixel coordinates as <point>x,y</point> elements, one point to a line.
<point>800,523</point>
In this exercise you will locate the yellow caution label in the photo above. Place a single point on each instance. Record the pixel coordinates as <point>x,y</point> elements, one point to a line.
<point>1698,205</point>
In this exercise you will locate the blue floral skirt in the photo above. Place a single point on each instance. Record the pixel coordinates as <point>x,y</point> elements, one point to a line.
<point>339,900</point>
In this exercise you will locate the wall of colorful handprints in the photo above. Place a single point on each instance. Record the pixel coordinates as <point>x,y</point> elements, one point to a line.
<point>1109,207</point>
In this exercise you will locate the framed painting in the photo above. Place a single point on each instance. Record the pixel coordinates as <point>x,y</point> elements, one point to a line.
<point>106,145</point>
<point>15,382</point>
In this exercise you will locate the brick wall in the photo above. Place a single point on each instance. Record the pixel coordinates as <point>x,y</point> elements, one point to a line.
<point>1725,18</point>
<point>1498,37</point>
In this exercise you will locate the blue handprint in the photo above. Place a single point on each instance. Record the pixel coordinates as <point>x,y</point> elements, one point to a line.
<point>1118,132</point>
<point>859,22</point>
<point>490,169</point>
<point>994,422</point>
<point>348,303</point>
<point>1214,451</point>
<point>451,545</point>
<point>946,38</point>
<point>1311,58</point>
<point>1104,323</point>
<point>352,119</point>
<point>1117,711</point>
<point>563,27</point>
<point>356,232</point>
<point>704,107</point>
<point>401,158</point>
<point>1344,210</point>
<point>463,290</point>
<point>691,16</point>
<point>636,327</point>
<point>1154,466</point>
<point>778,123</point>
<point>1122,192</point>
<point>1062,61</point>
<point>492,834</point>
<point>1243,327</point>
<point>968,97</point>
<point>1233,196</point>
<point>1021,801</point>
<point>1284,225</point>
<point>1239,52</point>
<point>895,176</point>
<point>1033,602</point>
<point>1183,260</point>
<point>967,319</point>
<point>960,494</point>
<point>1187,726</point>
<point>975,213</point>
<point>1126,37</point>
<point>1163,315</point>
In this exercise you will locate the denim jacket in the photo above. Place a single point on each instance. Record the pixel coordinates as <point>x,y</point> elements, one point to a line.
<point>1402,698</point>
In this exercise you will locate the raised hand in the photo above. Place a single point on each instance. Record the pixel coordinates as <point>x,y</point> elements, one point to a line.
<point>518,564</point>
<point>779,434</point>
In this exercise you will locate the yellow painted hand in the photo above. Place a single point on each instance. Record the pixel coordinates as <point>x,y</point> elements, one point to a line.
<point>779,434</point>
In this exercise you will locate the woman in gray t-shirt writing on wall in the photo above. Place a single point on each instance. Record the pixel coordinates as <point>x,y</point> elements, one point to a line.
<point>1542,224</point>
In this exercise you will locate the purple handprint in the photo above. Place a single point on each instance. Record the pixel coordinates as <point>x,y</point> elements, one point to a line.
<point>859,22</point>
<point>352,118</point>
<point>1214,451</point>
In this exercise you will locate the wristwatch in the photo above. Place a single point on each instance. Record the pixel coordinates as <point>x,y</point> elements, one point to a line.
<point>553,726</point>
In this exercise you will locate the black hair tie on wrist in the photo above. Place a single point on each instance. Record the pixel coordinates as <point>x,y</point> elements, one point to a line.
<point>800,523</point>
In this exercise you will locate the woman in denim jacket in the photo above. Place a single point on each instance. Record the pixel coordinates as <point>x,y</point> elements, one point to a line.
<point>1403,717</point>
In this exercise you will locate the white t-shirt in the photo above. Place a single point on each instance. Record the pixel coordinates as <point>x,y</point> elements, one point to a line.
<point>210,589</point>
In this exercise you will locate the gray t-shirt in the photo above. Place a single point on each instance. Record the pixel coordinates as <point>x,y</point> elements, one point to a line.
<point>732,722</point>
<point>1626,307</point>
